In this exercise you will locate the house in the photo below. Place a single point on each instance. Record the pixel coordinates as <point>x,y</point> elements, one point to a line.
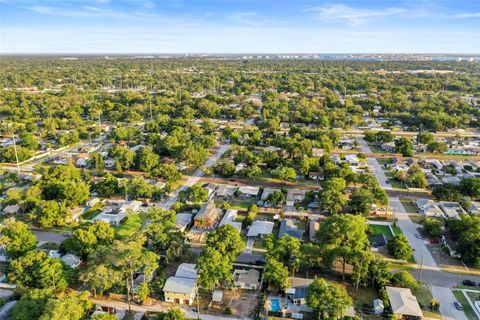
<point>287,226</point>
<point>187,270</point>
<point>246,279</point>
<point>451,209</point>
<point>211,189</point>
<point>206,217</point>
<point>182,287</point>
<point>11,209</point>
<point>429,208</point>
<point>294,196</point>
<point>180,290</point>
<point>71,260</point>
<point>229,218</point>
<point>266,192</point>
<point>260,228</point>
<point>298,291</point>
<point>403,303</point>
<point>224,191</point>
<point>249,192</point>
<point>352,160</point>
<point>117,210</point>
<point>183,220</point>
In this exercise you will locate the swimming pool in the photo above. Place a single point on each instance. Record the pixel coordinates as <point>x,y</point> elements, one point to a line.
<point>275,305</point>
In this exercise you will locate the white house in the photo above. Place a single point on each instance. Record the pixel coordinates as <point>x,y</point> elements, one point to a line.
<point>247,191</point>
<point>295,195</point>
<point>246,279</point>
<point>260,228</point>
<point>429,208</point>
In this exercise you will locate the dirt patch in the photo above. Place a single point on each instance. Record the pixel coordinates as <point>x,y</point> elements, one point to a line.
<point>442,258</point>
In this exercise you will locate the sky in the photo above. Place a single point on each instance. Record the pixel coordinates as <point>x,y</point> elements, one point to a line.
<point>239,26</point>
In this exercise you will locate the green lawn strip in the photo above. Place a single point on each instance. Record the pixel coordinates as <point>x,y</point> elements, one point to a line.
<point>466,306</point>
<point>133,224</point>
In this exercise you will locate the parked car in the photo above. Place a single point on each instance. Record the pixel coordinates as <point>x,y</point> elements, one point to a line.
<point>434,241</point>
<point>458,305</point>
<point>469,283</point>
<point>418,235</point>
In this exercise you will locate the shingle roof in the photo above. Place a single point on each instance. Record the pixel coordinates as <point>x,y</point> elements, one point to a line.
<point>403,302</point>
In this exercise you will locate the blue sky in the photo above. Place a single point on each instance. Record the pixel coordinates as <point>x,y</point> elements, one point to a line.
<point>239,26</point>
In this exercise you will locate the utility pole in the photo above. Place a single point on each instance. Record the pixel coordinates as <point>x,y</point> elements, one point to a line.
<point>15,149</point>
<point>421,268</point>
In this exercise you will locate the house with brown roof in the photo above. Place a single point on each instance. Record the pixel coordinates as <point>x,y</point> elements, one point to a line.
<point>207,216</point>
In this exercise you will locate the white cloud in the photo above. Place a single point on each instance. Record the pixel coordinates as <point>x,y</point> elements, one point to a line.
<point>352,15</point>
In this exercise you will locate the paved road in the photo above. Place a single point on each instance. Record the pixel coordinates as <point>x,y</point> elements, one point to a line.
<point>195,177</point>
<point>49,236</point>
<point>443,281</point>
<point>157,307</point>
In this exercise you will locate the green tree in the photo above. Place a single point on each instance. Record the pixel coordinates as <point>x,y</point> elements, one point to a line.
<point>405,280</point>
<point>64,183</point>
<point>332,195</point>
<point>404,146</point>
<point>31,305</point>
<point>276,273</point>
<point>168,172</point>
<point>17,238</point>
<point>69,306</point>
<point>425,137</point>
<point>330,300</point>
<point>100,278</point>
<point>96,162</point>
<point>399,248</point>
<point>194,194</point>
<point>341,236</point>
<point>276,198</point>
<point>51,214</point>
<point>213,269</point>
<point>227,241</point>
<point>360,201</point>
<point>470,187</point>
<point>172,314</point>
<point>285,173</point>
<point>226,169</point>
<point>432,227</point>
<point>36,269</point>
<point>146,160</point>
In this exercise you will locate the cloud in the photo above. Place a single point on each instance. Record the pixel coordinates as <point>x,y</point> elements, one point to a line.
<point>356,15</point>
<point>352,15</point>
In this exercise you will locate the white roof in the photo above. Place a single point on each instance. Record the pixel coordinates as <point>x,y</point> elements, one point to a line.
<point>403,302</point>
<point>260,228</point>
<point>249,190</point>
<point>266,192</point>
<point>13,208</point>
<point>183,219</point>
<point>229,218</point>
<point>187,270</point>
<point>180,285</point>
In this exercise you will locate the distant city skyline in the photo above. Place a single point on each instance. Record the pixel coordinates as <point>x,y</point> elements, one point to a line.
<point>239,26</point>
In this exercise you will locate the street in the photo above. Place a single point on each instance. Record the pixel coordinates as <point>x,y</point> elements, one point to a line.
<point>443,280</point>
<point>195,177</point>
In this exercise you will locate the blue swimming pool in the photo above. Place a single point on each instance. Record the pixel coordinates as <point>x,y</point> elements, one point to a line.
<point>275,305</point>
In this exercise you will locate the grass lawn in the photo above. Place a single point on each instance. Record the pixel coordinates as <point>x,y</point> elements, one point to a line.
<point>90,214</point>
<point>424,297</point>
<point>409,206</point>
<point>396,230</point>
<point>133,224</point>
<point>466,306</point>
<point>363,295</point>
<point>379,228</point>
<point>382,161</point>
<point>394,182</point>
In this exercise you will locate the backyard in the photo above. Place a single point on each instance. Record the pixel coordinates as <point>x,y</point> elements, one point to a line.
<point>133,224</point>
